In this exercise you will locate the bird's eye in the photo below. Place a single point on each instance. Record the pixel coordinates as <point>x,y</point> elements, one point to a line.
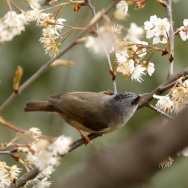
<point>135,101</point>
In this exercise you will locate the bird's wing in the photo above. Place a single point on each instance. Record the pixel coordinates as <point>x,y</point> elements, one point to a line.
<point>84,108</point>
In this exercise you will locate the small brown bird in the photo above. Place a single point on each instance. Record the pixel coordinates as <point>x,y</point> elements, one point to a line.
<point>92,112</point>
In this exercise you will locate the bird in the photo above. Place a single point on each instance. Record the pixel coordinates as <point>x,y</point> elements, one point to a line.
<point>92,112</point>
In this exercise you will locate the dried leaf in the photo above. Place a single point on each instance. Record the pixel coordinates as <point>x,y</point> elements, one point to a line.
<point>62,62</point>
<point>166,162</point>
<point>163,3</point>
<point>77,7</point>
<point>17,78</point>
<point>140,4</point>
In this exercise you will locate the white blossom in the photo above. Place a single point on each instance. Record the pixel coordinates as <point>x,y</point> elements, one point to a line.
<point>94,43</point>
<point>119,15</point>
<point>150,68</point>
<point>116,28</point>
<point>161,31</point>
<point>164,103</point>
<point>121,57</point>
<point>134,33</point>
<point>12,24</point>
<point>179,93</point>
<point>43,183</point>
<point>43,18</point>
<point>183,152</point>
<point>149,26</point>
<point>34,4</point>
<point>122,5</point>
<point>184,30</point>
<point>141,50</point>
<point>138,72</point>
<point>162,26</point>
<point>14,172</point>
<point>8,174</point>
<point>45,158</point>
<point>126,68</point>
<point>90,41</point>
<point>185,83</point>
<point>14,20</point>
<point>35,132</point>
<point>31,158</point>
<point>60,145</point>
<point>47,171</point>
<point>53,27</point>
<point>4,179</point>
<point>32,15</point>
<point>49,43</point>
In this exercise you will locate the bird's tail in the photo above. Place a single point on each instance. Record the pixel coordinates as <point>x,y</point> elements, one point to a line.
<point>44,106</point>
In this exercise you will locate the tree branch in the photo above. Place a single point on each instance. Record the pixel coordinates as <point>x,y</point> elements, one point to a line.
<point>163,87</point>
<point>25,178</point>
<point>159,111</point>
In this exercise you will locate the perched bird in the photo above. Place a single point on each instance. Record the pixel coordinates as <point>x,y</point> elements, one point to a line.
<point>92,112</point>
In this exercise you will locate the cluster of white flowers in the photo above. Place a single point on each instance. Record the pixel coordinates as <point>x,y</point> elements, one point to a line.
<point>157,28</point>
<point>128,61</point>
<point>134,33</point>
<point>107,36</point>
<point>128,51</point>
<point>8,174</point>
<point>12,24</point>
<point>175,101</point>
<point>51,28</point>
<point>43,153</point>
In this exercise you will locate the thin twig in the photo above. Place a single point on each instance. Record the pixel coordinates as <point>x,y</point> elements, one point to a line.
<point>14,128</point>
<point>9,125</point>
<point>171,38</point>
<point>46,66</point>
<point>14,155</point>
<point>159,111</point>
<point>103,45</point>
<point>172,84</point>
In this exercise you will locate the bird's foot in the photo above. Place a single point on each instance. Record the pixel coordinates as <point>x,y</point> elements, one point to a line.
<point>86,138</point>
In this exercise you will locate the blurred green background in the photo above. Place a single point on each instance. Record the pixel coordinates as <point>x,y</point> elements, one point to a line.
<point>90,73</point>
